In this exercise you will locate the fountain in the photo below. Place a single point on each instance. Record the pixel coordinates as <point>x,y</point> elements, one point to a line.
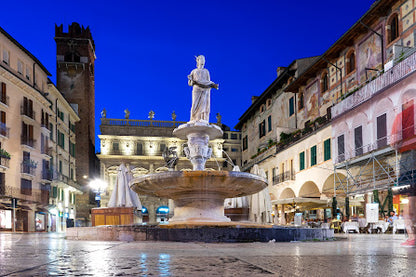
<point>198,195</point>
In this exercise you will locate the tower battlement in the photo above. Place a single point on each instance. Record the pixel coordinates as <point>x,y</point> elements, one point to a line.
<point>75,30</point>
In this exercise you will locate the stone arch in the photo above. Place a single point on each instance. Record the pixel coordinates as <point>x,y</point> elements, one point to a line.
<point>137,171</point>
<point>287,193</point>
<point>409,94</point>
<point>383,105</point>
<point>112,169</point>
<point>309,189</point>
<point>328,186</point>
<point>161,169</point>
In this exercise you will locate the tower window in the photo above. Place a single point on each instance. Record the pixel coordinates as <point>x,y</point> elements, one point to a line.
<point>350,62</point>
<point>393,28</point>
<point>324,82</point>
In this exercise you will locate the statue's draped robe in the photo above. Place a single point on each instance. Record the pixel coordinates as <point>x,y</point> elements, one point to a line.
<point>200,94</point>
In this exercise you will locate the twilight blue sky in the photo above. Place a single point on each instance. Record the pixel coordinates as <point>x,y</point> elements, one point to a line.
<point>146,49</point>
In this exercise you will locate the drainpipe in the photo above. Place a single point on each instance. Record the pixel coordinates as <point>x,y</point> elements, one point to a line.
<point>382,42</point>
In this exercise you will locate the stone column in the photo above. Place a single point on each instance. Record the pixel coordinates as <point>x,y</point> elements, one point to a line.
<point>152,213</point>
<point>276,214</point>
<point>282,216</point>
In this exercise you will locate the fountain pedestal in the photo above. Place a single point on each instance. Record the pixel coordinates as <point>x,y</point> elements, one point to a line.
<point>198,135</point>
<point>198,195</point>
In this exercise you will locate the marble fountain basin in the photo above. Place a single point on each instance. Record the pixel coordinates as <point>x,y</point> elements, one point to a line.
<point>198,195</point>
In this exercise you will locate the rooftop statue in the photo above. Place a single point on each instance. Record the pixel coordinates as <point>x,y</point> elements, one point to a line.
<point>200,81</point>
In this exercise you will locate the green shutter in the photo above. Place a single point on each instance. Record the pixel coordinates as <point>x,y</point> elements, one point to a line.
<point>62,194</point>
<point>327,149</point>
<point>313,155</point>
<point>291,106</point>
<point>302,161</point>
<point>54,192</point>
<point>269,123</point>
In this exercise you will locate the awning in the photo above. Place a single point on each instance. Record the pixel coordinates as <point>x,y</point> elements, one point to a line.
<point>305,203</point>
<point>9,206</point>
<point>42,210</point>
<point>298,200</point>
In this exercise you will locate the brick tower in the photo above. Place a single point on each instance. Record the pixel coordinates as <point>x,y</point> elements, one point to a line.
<point>75,57</point>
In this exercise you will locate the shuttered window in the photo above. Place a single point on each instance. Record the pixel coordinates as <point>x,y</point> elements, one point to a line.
<point>302,161</point>
<point>341,148</point>
<point>381,131</point>
<point>358,139</point>
<point>327,149</point>
<point>313,155</point>
<point>291,106</point>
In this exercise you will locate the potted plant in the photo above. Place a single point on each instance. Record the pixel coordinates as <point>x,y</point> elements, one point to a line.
<point>4,154</point>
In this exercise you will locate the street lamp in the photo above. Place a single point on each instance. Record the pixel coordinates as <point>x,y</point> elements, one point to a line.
<point>98,186</point>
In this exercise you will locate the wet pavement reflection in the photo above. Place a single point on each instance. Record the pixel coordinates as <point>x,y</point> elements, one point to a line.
<point>350,255</point>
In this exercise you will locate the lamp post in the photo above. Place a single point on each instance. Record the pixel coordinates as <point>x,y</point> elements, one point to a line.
<point>98,186</point>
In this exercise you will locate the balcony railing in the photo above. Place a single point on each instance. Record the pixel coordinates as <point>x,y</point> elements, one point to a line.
<point>391,76</point>
<point>27,112</point>
<point>44,148</point>
<point>5,100</point>
<point>380,143</point>
<point>4,130</point>
<point>4,161</point>
<point>28,141</point>
<point>49,151</point>
<point>47,174</point>
<point>285,176</point>
<point>28,167</point>
<point>140,123</point>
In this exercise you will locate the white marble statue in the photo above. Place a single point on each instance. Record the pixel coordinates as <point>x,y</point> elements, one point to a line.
<point>200,81</point>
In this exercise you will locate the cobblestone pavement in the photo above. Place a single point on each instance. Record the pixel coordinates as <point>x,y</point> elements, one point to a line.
<point>350,255</point>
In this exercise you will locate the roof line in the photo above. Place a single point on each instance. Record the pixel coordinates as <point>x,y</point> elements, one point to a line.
<point>371,9</point>
<point>25,50</point>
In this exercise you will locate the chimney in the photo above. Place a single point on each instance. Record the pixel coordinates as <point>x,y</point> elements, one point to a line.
<point>280,70</point>
<point>253,99</point>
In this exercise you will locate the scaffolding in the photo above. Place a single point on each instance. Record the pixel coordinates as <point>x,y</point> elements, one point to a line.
<point>376,166</point>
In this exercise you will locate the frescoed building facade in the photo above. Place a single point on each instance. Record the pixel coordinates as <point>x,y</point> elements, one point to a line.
<point>344,107</point>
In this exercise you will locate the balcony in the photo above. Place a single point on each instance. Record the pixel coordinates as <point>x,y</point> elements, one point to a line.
<point>28,141</point>
<point>140,123</point>
<point>61,177</point>
<point>379,144</point>
<point>4,162</point>
<point>44,149</point>
<point>390,77</point>
<point>27,112</point>
<point>50,151</point>
<point>4,100</point>
<point>29,167</point>
<point>285,176</point>
<point>4,130</point>
<point>47,174</point>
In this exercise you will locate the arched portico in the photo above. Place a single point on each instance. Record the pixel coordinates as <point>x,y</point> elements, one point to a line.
<point>309,190</point>
<point>287,193</point>
<point>335,184</point>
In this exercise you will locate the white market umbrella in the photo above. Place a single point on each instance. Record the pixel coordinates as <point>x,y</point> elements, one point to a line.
<point>260,202</point>
<point>122,195</point>
<point>236,202</point>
